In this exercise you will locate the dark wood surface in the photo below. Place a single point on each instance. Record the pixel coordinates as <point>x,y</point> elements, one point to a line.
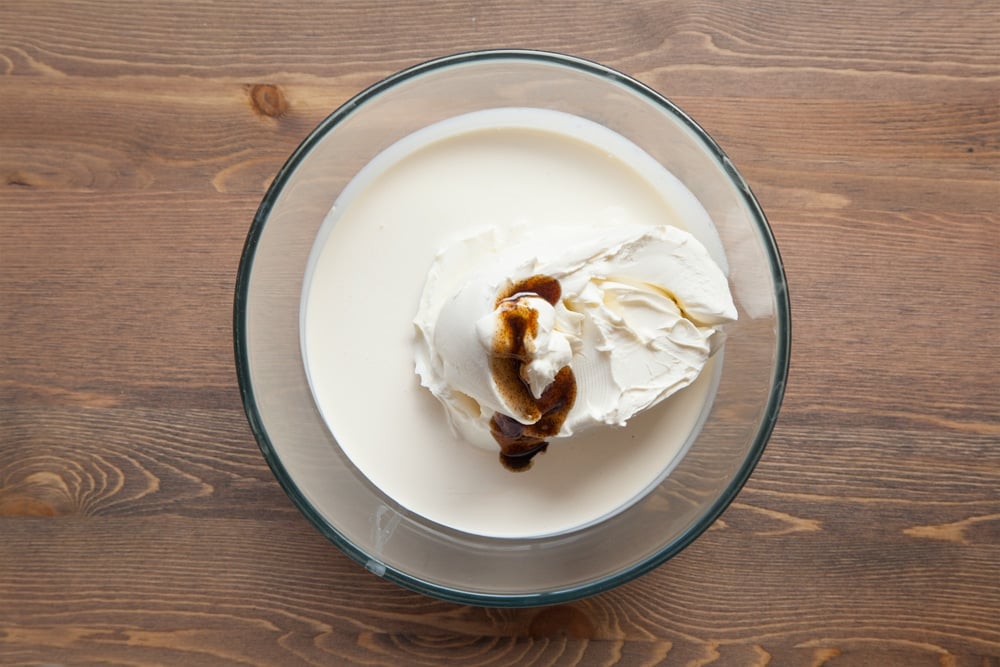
<point>139,524</point>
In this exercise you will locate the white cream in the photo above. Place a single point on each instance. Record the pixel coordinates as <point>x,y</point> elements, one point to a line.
<point>637,321</point>
<point>365,279</point>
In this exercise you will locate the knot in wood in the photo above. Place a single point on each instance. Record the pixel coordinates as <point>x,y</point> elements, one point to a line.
<point>267,100</point>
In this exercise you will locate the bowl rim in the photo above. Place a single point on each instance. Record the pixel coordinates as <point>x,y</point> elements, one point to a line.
<point>327,529</point>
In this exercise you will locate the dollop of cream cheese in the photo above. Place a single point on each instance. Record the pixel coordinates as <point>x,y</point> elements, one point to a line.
<point>640,313</point>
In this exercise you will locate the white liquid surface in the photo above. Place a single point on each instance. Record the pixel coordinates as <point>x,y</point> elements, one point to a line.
<point>363,285</point>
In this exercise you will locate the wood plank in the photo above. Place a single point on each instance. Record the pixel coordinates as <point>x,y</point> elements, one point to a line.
<point>185,588</point>
<point>189,38</point>
<point>212,134</point>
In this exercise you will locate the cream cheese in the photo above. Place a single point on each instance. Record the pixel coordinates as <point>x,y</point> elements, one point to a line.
<point>639,315</point>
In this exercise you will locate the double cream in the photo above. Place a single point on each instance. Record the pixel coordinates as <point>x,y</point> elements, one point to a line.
<point>632,311</point>
<point>495,168</point>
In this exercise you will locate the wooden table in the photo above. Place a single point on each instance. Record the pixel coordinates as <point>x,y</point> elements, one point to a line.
<point>139,523</point>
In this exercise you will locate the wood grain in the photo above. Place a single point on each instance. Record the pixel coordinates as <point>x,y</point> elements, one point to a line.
<point>139,524</point>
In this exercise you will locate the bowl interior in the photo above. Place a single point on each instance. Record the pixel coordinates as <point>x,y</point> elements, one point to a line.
<point>390,540</point>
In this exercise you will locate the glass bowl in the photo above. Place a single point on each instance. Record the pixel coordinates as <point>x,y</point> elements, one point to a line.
<point>386,537</point>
